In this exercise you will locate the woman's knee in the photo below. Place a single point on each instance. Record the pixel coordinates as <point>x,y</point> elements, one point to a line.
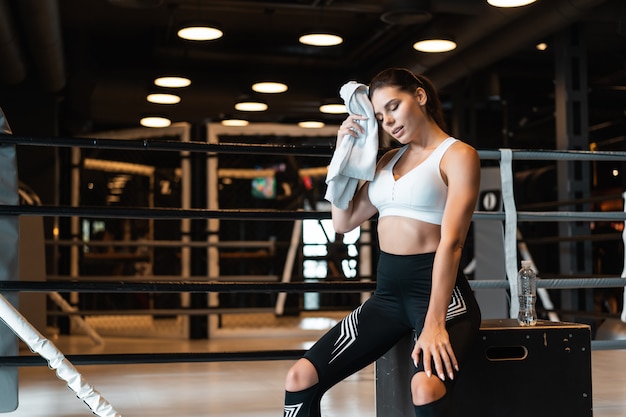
<point>426,390</point>
<point>301,375</point>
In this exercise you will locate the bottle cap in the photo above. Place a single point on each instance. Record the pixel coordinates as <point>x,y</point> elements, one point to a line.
<point>526,264</point>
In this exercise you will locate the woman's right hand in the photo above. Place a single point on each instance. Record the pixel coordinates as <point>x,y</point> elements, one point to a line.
<point>351,126</point>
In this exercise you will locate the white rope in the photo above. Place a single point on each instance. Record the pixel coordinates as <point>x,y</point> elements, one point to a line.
<point>47,350</point>
<point>510,228</point>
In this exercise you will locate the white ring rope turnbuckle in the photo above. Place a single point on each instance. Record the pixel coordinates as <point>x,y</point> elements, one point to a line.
<point>47,350</point>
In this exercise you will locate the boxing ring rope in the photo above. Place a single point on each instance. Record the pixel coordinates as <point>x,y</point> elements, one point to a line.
<point>66,371</point>
<point>55,360</point>
<point>279,149</point>
<point>271,287</point>
<point>509,216</point>
<point>169,145</point>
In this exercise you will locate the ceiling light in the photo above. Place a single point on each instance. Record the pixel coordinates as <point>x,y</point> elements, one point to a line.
<point>311,124</point>
<point>155,121</point>
<point>172,82</point>
<point>200,33</point>
<point>251,106</point>
<point>159,98</point>
<point>510,3</point>
<point>320,39</point>
<point>234,122</point>
<point>541,46</point>
<point>333,108</point>
<point>269,87</point>
<point>435,45</point>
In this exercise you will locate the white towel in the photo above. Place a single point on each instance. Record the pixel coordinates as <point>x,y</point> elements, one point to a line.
<point>355,158</point>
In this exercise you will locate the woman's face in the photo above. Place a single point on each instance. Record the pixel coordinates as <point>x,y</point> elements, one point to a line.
<point>398,112</point>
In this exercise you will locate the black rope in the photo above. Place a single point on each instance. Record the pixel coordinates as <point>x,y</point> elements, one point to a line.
<point>274,287</point>
<point>175,214</point>
<point>193,287</point>
<point>163,311</point>
<point>254,214</point>
<point>171,145</point>
<point>151,358</point>
<point>162,213</point>
<point>275,149</point>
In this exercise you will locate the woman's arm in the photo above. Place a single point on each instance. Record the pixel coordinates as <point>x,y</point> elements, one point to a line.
<point>360,208</point>
<point>461,168</point>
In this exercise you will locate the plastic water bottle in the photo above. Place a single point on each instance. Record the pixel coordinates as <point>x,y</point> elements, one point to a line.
<point>527,287</point>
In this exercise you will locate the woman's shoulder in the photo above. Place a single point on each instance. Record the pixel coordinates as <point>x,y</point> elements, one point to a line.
<point>459,146</point>
<point>460,154</point>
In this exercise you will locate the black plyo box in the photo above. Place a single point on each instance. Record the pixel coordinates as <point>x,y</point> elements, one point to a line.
<point>538,371</point>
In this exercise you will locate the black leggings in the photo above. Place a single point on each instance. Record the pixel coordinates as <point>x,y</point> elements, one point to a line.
<point>397,307</point>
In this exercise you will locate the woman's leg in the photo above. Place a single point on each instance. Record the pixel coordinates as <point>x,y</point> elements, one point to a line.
<point>301,375</point>
<point>431,396</point>
<point>302,392</point>
<point>355,342</point>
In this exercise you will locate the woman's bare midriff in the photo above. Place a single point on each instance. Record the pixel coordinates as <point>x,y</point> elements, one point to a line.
<point>404,236</point>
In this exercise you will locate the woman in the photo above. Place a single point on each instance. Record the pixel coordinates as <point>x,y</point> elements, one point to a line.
<point>424,193</point>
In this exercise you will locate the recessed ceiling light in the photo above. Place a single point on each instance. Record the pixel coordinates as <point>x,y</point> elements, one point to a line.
<point>333,108</point>
<point>435,45</point>
<point>234,122</point>
<point>200,33</point>
<point>542,46</point>
<point>270,87</point>
<point>251,106</point>
<point>159,98</point>
<point>155,121</point>
<point>311,124</point>
<point>510,3</point>
<point>172,82</point>
<point>321,39</point>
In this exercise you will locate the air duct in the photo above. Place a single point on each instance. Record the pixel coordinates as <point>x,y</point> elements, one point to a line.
<point>43,31</point>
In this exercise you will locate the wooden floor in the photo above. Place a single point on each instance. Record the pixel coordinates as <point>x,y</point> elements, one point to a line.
<point>233,389</point>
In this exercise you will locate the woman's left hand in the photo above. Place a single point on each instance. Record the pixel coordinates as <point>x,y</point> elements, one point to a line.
<point>434,346</point>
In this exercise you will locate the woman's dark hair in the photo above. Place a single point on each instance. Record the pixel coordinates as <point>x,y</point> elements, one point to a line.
<point>408,82</point>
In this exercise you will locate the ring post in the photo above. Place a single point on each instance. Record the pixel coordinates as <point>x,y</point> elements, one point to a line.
<point>9,239</point>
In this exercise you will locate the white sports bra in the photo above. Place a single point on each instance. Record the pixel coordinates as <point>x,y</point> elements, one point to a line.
<point>419,194</point>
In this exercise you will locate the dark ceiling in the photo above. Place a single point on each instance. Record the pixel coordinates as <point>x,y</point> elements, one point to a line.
<point>93,61</point>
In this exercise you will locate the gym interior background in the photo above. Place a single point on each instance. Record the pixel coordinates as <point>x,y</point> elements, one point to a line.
<point>550,75</point>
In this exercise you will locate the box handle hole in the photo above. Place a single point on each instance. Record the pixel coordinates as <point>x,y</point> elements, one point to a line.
<point>506,353</point>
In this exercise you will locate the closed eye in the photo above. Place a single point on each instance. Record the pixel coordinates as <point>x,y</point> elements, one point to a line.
<point>392,106</point>
<point>389,107</point>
